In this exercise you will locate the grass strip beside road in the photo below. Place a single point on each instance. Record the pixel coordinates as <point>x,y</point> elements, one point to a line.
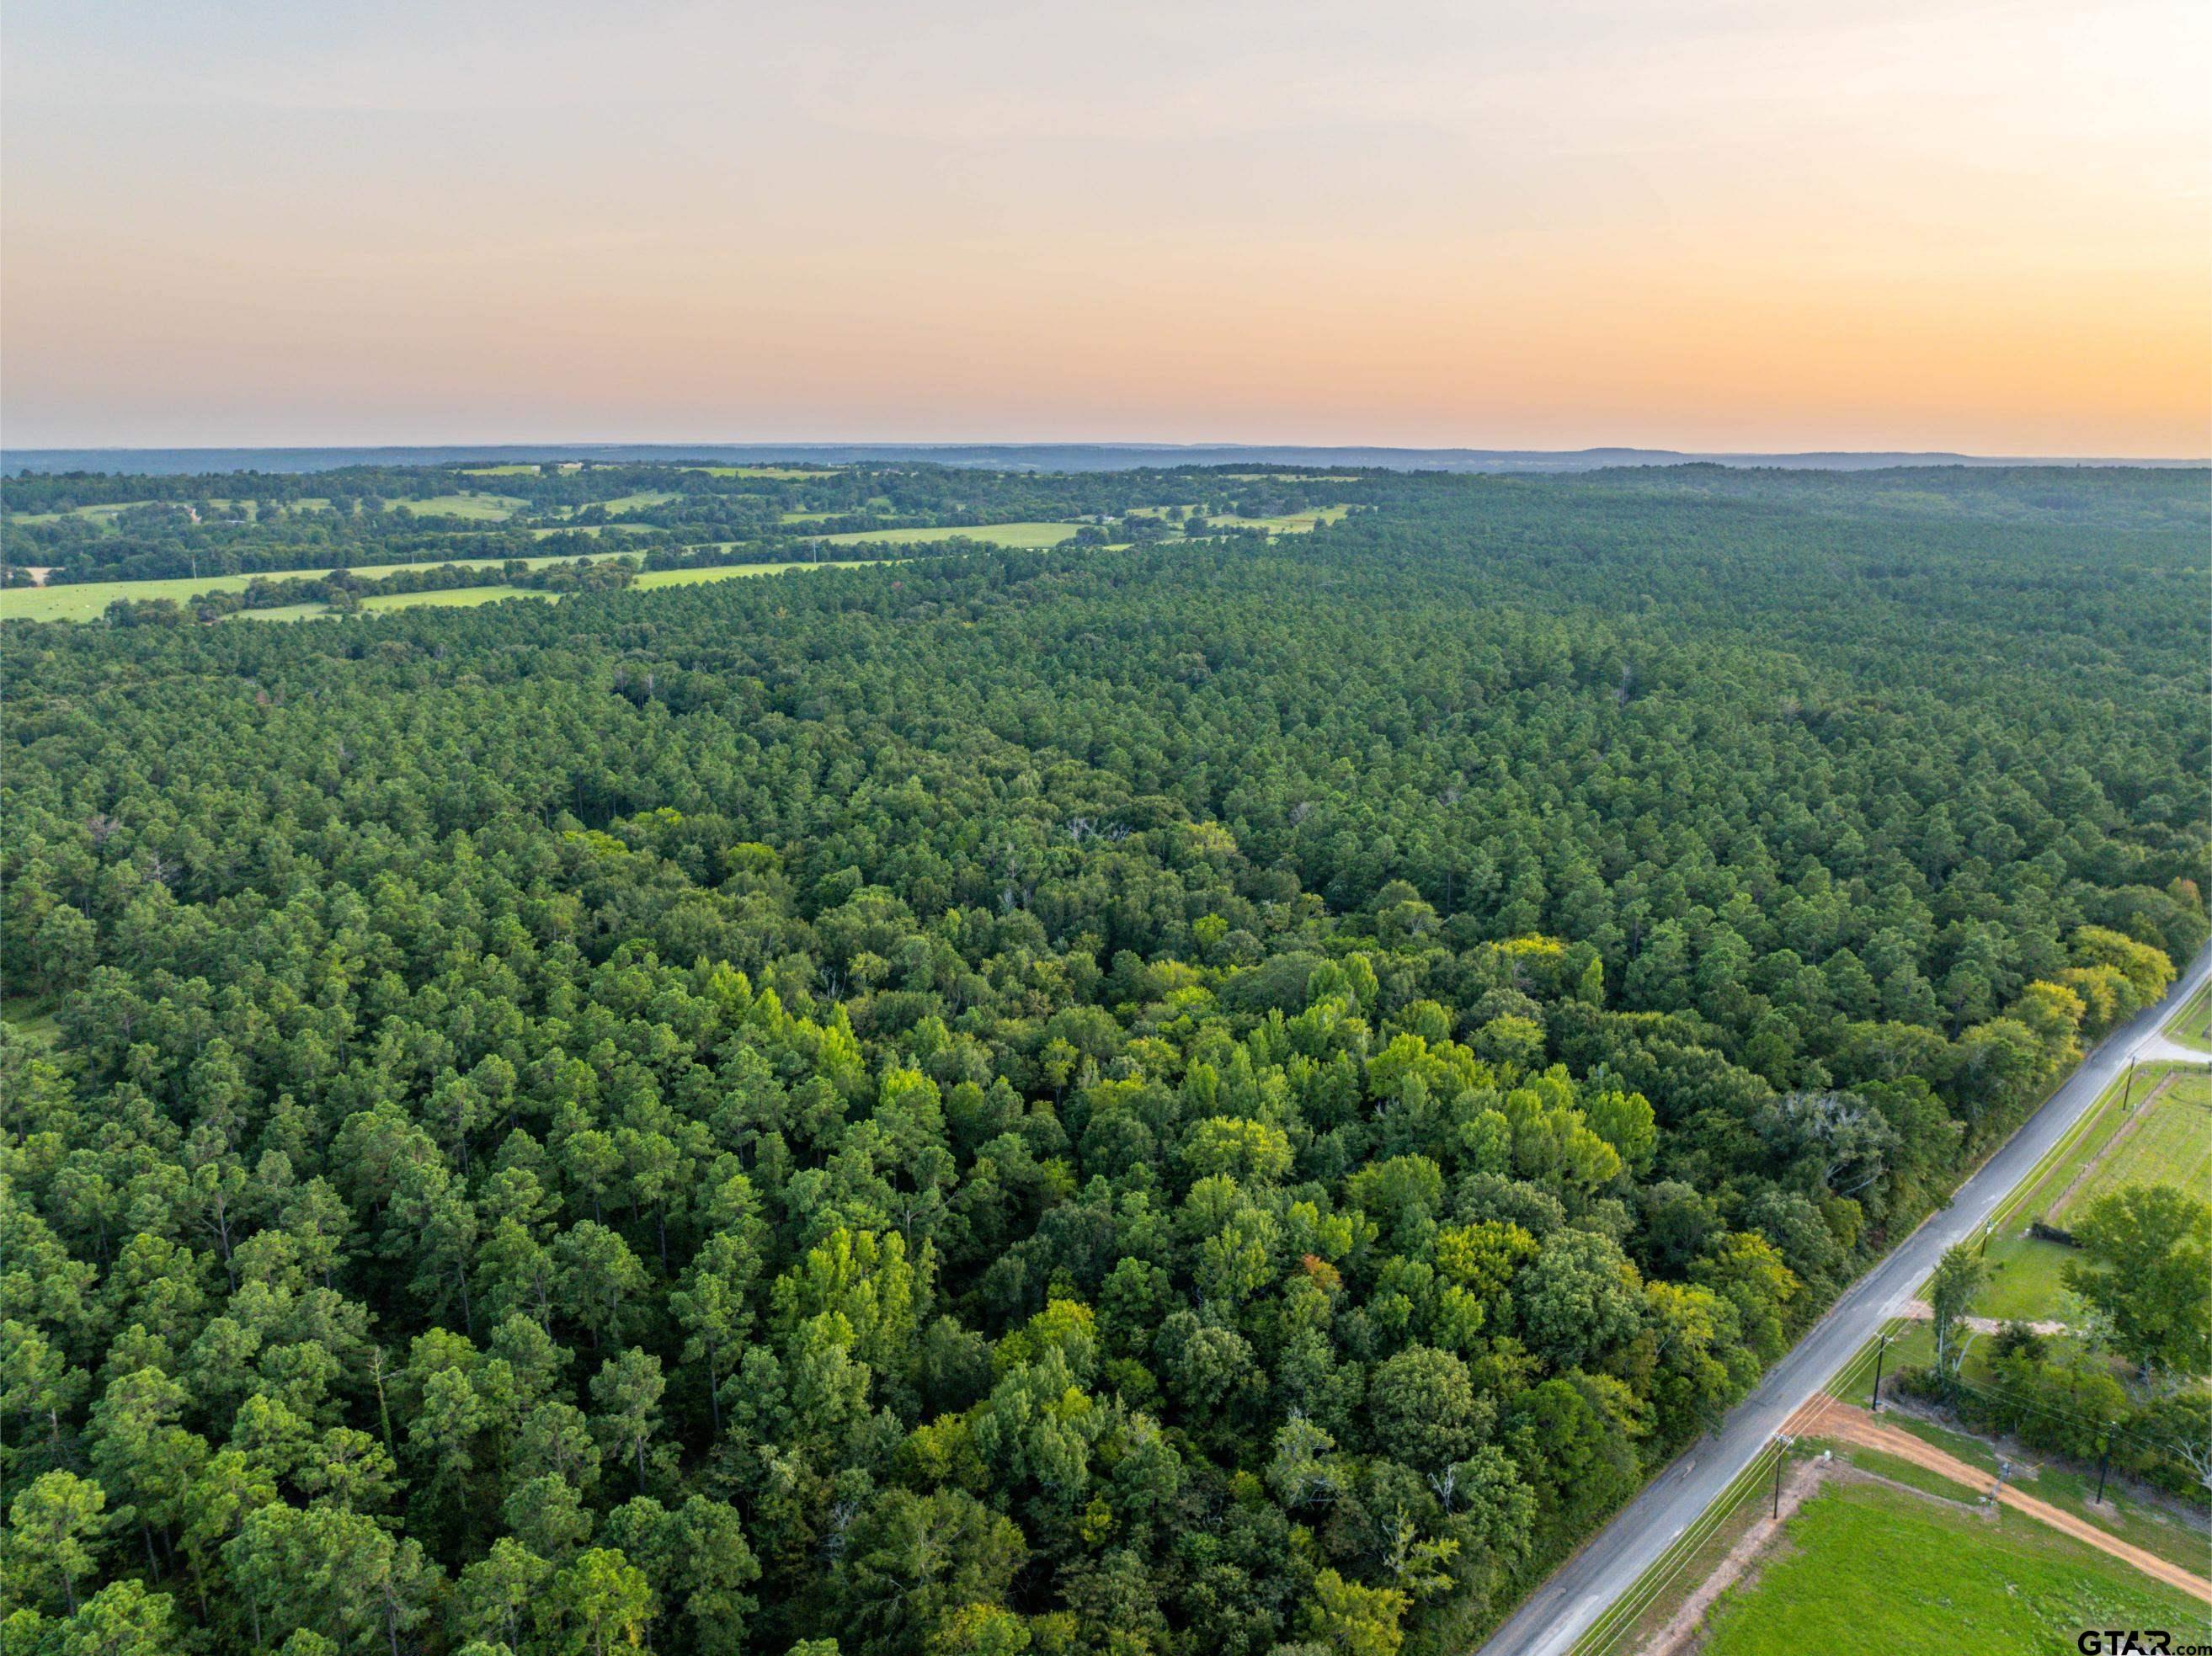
<point>1628,1612</point>
<point>2193,1026</point>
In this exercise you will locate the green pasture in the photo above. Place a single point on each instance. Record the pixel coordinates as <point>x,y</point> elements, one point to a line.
<point>1874,1572</point>
<point>88,600</point>
<point>1289,523</point>
<point>483,508</point>
<point>782,474</point>
<point>1027,536</point>
<point>2025,1280</point>
<point>2171,1144</point>
<point>99,514</point>
<point>2164,1135</point>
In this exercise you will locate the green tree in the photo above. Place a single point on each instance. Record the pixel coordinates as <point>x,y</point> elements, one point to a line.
<point>1951,1289</point>
<point>56,1528</point>
<point>2148,1275</point>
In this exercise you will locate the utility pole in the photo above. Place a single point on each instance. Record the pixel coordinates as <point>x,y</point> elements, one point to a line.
<point>1781,1454</point>
<point>2128,1092</point>
<point>2104,1466</point>
<point>1986,1229</point>
<point>1880,1351</point>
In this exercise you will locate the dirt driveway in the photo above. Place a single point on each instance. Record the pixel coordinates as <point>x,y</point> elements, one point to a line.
<point>1827,1417</point>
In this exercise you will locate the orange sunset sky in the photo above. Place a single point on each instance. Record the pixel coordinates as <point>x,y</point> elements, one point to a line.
<point>1689,223</point>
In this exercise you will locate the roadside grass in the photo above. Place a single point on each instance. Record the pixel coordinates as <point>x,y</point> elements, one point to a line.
<point>1031,536</point>
<point>1686,1573</point>
<point>1911,1345</point>
<point>2037,1193</point>
<point>1874,1571</point>
<point>1957,1445</point>
<point>1683,1567</point>
<point>2192,1026</point>
<point>1899,1469</point>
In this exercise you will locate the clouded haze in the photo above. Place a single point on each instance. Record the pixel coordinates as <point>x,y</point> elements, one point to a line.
<point>1701,223</point>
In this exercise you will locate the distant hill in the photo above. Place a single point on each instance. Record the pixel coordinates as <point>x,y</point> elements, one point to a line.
<point>1024,456</point>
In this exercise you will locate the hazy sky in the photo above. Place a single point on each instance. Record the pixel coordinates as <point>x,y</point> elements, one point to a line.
<point>1753,224</point>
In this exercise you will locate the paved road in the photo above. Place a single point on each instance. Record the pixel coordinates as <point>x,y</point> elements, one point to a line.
<point>1560,1611</point>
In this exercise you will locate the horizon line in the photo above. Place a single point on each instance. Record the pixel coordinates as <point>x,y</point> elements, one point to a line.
<point>1136,443</point>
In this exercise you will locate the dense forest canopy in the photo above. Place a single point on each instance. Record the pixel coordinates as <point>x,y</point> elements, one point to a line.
<point>1201,1095</point>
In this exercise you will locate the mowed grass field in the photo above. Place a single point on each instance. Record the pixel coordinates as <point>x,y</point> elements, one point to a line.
<point>2164,1138</point>
<point>100,514</point>
<point>783,473</point>
<point>89,600</point>
<point>1874,1571</point>
<point>642,497</point>
<point>2026,1280</point>
<point>483,508</point>
<point>1290,523</point>
<point>2171,1144</point>
<point>1026,536</point>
